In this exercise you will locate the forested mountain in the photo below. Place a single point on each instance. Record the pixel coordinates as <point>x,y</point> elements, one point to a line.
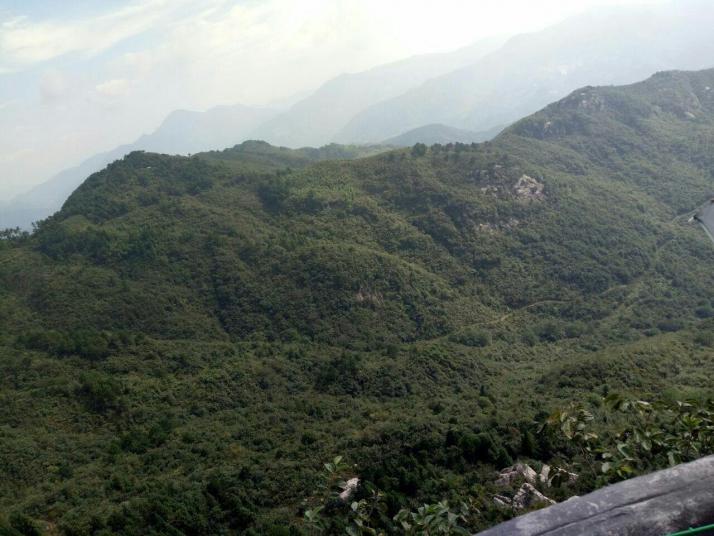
<point>182,132</point>
<point>616,46</point>
<point>312,121</point>
<point>187,341</point>
<point>477,89</point>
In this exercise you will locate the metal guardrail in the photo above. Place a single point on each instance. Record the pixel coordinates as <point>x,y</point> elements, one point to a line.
<point>707,529</point>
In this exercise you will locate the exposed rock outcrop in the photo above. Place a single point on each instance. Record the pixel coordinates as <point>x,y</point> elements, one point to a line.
<point>349,489</point>
<point>528,497</point>
<point>544,476</point>
<point>660,503</point>
<point>559,477</point>
<point>510,475</point>
<point>529,188</point>
<point>503,501</point>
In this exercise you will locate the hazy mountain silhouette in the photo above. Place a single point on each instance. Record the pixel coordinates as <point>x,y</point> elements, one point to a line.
<point>181,132</point>
<point>316,120</point>
<point>612,46</point>
<point>437,133</point>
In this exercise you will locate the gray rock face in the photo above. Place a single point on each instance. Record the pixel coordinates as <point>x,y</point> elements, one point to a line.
<point>528,496</point>
<point>544,476</point>
<point>652,505</point>
<point>349,488</point>
<point>510,474</point>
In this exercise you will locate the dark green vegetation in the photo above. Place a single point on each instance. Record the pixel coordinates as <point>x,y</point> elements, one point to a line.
<point>612,439</point>
<point>188,339</point>
<point>443,134</point>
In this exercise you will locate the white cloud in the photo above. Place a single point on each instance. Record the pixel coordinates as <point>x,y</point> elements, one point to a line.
<point>24,42</point>
<point>258,51</point>
<point>117,87</point>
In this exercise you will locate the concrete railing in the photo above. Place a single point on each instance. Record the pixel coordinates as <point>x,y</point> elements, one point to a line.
<point>652,505</point>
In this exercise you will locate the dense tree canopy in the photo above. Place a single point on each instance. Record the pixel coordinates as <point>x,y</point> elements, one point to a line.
<point>188,339</point>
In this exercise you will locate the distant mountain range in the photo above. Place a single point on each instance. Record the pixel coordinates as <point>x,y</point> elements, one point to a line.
<point>615,46</point>
<point>317,119</point>
<point>466,96</point>
<point>437,133</point>
<point>181,132</point>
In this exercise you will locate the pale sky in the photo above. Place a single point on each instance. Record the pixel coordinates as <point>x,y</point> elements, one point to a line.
<point>82,76</point>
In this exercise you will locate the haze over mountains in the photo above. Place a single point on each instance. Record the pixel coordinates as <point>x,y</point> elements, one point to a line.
<point>312,121</point>
<point>602,47</point>
<point>437,133</point>
<point>476,90</point>
<point>182,132</point>
<point>317,119</point>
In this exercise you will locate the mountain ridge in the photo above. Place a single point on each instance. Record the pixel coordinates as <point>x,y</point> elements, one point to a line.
<point>514,81</point>
<point>306,124</point>
<point>182,131</point>
<point>438,133</point>
<point>185,131</point>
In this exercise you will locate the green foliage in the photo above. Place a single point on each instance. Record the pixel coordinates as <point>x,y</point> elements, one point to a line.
<point>89,344</point>
<point>433,519</point>
<point>634,437</point>
<point>367,516</point>
<point>419,150</point>
<point>183,341</point>
<point>12,235</point>
<point>99,392</point>
<point>484,447</point>
<point>659,434</point>
<point>18,525</point>
<point>475,337</point>
<point>649,436</point>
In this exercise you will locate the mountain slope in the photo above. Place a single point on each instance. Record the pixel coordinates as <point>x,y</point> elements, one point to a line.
<point>433,134</point>
<point>191,132</point>
<point>616,46</point>
<point>189,339</point>
<point>181,133</point>
<point>316,119</point>
<point>312,121</point>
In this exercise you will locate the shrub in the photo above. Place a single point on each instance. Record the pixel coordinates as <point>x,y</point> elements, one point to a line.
<point>419,150</point>
<point>90,344</point>
<point>99,392</point>
<point>477,338</point>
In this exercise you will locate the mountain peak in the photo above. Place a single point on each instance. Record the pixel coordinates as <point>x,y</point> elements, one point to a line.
<point>688,96</point>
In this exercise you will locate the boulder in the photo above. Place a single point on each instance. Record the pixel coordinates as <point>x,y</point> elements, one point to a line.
<point>510,475</point>
<point>560,477</point>
<point>503,501</point>
<point>349,488</point>
<point>528,497</point>
<point>544,476</point>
